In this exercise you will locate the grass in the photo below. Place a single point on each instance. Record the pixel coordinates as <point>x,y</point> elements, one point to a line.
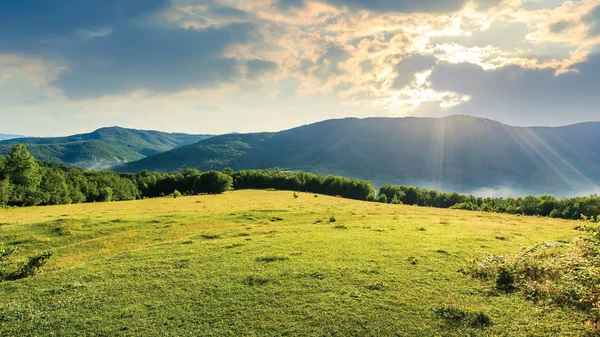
<point>180,267</point>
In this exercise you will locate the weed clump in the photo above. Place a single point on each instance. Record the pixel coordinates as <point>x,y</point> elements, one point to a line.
<point>254,280</point>
<point>376,286</point>
<point>25,269</point>
<point>340,227</point>
<point>332,218</point>
<point>210,236</point>
<point>455,316</point>
<point>558,273</point>
<point>271,258</point>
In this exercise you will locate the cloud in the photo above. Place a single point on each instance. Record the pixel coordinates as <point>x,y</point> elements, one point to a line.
<point>559,27</point>
<point>593,18</point>
<point>40,24</point>
<point>108,49</point>
<point>523,96</point>
<point>398,6</point>
<point>152,58</point>
<point>255,68</point>
<point>408,67</point>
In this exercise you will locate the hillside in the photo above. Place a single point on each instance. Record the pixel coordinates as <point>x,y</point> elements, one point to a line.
<point>4,136</point>
<point>258,263</point>
<point>102,148</point>
<point>457,153</point>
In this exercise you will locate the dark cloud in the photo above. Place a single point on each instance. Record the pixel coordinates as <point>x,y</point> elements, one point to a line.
<point>558,27</point>
<point>151,58</point>
<point>593,18</point>
<point>408,67</point>
<point>327,65</point>
<point>34,24</point>
<point>255,68</point>
<point>290,4</point>
<point>117,46</point>
<point>523,96</point>
<point>400,6</point>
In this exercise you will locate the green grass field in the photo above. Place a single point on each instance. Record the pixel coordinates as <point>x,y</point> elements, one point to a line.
<point>257,263</point>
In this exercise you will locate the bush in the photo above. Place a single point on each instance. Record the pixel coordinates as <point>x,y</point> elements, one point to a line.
<point>176,194</point>
<point>382,198</point>
<point>371,197</point>
<point>563,273</point>
<point>24,269</point>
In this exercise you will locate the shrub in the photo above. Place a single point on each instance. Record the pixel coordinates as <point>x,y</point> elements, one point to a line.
<point>27,268</point>
<point>371,197</point>
<point>457,316</point>
<point>382,199</point>
<point>176,194</point>
<point>563,273</point>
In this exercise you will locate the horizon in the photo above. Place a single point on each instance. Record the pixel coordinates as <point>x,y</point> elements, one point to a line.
<point>279,130</point>
<point>197,66</point>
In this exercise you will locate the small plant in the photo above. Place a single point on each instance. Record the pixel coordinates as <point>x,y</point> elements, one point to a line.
<point>332,218</point>
<point>455,316</point>
<point>340,227</point>
<point>253,280</point>
<point>210,236</point>
<point>501,238</point>
<point>412,260</point>
<point>296,195</point>
<point>376,286</point>
<point>271,258</point>
<point>176,194</point>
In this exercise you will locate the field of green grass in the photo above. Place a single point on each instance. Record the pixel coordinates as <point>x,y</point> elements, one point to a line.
<point>259,263</point>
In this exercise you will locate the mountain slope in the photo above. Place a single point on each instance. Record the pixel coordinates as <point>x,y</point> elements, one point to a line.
<point>458,153</point>
<point>4,136</point>
<point>102,148</point>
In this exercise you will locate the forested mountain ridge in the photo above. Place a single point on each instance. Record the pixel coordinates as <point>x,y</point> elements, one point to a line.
<point>456,153</point>
<point>102,148</point>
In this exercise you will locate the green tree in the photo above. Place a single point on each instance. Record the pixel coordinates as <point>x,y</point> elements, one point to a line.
<point>382,198</point>
<point>215,182</point>
<point>54,188</point>
<point>5,191</point>
<point>24,174</point>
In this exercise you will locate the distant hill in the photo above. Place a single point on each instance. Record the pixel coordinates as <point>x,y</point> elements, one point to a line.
<point>6,136</point>
<point>102,148</point>
<point>459,153</point>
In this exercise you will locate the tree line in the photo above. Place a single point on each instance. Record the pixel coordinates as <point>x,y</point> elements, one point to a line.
<point>545,205</point>
<point>27,182</point>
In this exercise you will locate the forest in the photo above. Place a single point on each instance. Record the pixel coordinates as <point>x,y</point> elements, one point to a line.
<point>27,182</point>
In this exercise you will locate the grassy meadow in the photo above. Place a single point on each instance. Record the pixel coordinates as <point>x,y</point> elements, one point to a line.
<point>260,263</point>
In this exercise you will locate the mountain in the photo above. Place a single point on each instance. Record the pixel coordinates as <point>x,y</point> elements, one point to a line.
<point>102,148</point>
<point>456,153</point>
<point>6,136</point>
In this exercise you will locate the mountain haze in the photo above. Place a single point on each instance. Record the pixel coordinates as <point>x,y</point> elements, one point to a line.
<point>458,153</point>
<point>6,136</point>
<point>102,148</point>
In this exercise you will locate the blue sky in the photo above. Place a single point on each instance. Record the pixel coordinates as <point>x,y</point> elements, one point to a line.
<point>69,66</point>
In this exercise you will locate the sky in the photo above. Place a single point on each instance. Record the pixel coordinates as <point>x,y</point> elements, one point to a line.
<point>71,66</point>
